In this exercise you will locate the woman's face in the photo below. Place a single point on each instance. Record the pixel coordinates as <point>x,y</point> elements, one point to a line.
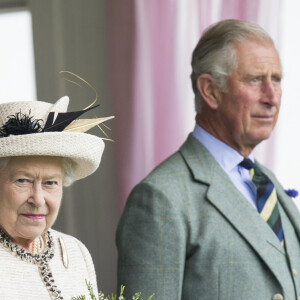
<point>30,196</point>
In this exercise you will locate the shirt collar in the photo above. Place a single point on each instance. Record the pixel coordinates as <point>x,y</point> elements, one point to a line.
<point>227,157</point>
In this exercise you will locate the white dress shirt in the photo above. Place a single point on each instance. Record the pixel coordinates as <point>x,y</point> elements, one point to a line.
<point>228,159</point>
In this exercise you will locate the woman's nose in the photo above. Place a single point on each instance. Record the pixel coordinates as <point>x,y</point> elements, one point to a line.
<point>37,196</point>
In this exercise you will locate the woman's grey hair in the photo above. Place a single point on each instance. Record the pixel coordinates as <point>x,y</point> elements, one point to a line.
<point>3,162</point>
<point>215,52</point>
<point>68,167</point>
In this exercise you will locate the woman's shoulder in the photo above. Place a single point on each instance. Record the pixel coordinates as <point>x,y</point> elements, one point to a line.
<point>56,234</point>
<point>60,237</point>
<point>71,247</point>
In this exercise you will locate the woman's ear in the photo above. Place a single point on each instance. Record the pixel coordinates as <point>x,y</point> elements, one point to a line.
<point>208,90</point>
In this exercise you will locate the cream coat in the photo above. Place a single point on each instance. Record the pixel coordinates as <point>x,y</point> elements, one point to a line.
<point>21,279</point>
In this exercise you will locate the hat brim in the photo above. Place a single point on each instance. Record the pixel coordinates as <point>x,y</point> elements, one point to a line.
<point>83,148</point>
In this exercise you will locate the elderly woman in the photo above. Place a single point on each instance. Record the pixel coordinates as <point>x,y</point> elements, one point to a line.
<point>42,148</point>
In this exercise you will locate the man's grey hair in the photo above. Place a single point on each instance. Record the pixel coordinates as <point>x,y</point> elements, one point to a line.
<point>68,168</point>
<point>215,52</point>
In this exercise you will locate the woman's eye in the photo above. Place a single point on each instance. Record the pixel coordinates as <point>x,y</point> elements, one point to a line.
<point>51,183</point>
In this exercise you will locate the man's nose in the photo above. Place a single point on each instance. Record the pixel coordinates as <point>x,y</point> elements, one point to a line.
<point>37,195</point>
<point>271,92</point>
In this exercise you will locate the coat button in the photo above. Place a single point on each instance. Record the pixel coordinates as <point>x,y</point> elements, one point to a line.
<point>277,297</point>
<point>295,272</point>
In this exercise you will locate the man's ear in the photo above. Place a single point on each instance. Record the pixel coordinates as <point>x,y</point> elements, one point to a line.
<point>208,90</point>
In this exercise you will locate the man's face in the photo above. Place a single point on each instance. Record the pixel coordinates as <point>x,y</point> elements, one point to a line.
<point>248,110</point>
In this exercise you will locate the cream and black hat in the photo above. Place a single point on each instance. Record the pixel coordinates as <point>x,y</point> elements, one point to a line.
<point>36,128</point>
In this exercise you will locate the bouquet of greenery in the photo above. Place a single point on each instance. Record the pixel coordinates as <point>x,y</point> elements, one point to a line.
<point>111,297</point>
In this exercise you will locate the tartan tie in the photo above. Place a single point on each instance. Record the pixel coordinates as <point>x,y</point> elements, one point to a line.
<point>266,201</point>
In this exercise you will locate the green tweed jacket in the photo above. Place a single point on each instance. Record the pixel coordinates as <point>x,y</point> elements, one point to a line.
<point>188,233</point>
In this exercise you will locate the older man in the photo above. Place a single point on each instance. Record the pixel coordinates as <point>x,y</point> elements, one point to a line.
<point>210,222</point>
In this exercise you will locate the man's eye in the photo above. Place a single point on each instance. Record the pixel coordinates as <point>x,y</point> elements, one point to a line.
<point>22,180</point>
<point>255,79</point>
<point>277,79</point>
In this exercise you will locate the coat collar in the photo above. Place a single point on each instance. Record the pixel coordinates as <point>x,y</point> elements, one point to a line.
<point>225,197</point>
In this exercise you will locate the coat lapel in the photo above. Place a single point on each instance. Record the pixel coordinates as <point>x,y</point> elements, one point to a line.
<point>246,220</point>
<point>230,202</point>
<point>286,202</point>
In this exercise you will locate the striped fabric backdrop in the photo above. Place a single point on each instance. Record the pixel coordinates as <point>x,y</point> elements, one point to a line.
<point>151,90</point>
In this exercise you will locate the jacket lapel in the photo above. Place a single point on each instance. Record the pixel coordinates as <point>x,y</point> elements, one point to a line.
<point>230,202</point>
<point>286,202</point>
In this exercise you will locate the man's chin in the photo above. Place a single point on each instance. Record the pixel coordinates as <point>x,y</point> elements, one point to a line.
<point>258,138</point>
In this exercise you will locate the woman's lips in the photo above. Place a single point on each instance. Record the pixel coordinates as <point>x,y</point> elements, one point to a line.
<point>33,216</point>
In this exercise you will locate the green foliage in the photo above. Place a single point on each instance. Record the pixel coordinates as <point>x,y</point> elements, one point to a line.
<point>111,297</point>
<point>90,288</point>
<point>78,298</point>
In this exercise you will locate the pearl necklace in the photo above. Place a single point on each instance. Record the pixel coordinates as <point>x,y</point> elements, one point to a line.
<point>42,259</point>
<point>38,245</point>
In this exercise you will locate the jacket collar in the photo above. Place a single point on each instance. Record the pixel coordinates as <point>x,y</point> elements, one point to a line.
<point>225,197</point>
